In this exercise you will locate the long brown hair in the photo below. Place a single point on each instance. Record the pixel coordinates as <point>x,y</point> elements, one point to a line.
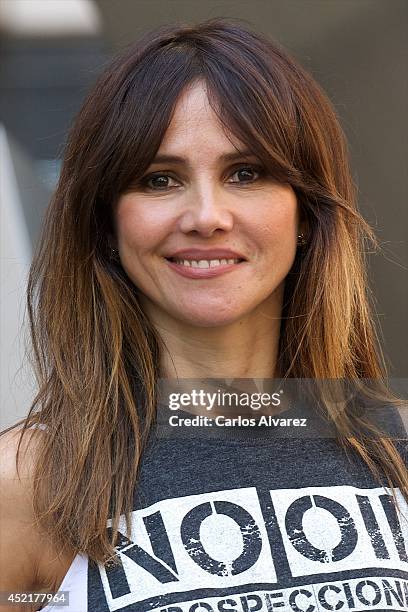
<point>96,353</point>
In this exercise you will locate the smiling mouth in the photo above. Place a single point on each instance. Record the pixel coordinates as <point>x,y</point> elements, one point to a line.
<point>203,263</point>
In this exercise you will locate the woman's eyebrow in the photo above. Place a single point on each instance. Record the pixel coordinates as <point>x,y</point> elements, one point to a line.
<point>162,158</point>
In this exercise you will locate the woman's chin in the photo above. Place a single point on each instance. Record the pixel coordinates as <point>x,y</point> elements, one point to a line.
<point>209,317</point>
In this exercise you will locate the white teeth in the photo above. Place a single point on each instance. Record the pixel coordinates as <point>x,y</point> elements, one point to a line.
<point>205,263</point>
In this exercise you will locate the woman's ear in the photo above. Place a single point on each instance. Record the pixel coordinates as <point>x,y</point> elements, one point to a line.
<point>303,232</point>
<point>304,229</point>
<point>112,245</point>
<point>304,225</point>
<point>112,242</point>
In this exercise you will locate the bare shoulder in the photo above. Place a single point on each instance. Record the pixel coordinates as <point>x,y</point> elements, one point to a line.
<point>28,560</point>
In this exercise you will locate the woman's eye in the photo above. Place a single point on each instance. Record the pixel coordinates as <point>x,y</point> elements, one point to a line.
<point>160,181</point>
<point>248,174</point>
<point>163,182</point>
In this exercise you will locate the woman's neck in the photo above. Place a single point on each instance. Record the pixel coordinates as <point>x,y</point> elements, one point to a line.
<point>247,348</point>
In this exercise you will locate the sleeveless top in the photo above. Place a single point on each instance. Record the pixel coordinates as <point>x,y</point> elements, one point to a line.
<point>246,521</point>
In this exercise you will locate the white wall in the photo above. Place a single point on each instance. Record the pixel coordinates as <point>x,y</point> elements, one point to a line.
<point>16,378</point>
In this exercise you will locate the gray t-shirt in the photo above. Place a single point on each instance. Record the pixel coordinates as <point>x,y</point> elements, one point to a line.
<point>247,522</point>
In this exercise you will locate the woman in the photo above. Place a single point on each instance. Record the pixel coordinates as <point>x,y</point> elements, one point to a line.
<point>204,226</point>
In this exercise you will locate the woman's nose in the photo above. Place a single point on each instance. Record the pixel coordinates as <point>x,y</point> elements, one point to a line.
<point>206,212</point>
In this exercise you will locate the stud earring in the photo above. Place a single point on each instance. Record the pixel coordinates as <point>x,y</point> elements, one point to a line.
<point>301,240</point>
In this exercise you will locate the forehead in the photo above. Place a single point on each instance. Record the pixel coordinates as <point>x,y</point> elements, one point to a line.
<point>195,127</point>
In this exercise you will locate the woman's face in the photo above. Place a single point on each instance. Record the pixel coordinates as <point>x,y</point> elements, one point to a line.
<point>206,236</point>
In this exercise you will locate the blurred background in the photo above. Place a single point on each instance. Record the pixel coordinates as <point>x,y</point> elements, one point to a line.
<point>51,51</point>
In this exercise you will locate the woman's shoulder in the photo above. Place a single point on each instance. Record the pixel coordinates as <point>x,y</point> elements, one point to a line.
<point>28,559</point>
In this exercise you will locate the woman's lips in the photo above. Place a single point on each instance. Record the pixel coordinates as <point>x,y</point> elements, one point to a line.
<point>190,272</point>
